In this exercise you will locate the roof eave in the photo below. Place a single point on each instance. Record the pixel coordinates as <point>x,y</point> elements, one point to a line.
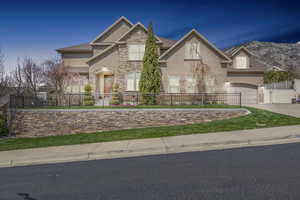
<point>74,50</point>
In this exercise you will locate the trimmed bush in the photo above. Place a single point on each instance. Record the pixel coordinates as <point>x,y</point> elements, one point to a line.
<point>116,96</point>
<point>88,98</point>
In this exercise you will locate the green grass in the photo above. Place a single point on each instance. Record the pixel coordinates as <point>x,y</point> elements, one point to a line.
<point>138,107</point>
<point>257,119</point>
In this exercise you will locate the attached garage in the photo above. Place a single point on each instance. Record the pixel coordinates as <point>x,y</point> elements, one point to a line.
<point>249,92</point>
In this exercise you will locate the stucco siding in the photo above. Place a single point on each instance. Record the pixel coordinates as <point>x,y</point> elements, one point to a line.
<point>98,49</point>
<point>253,79</point>
<point>115,33</point>
<point>179,66</point>
<point>76,59</point>
<point>109,60</point>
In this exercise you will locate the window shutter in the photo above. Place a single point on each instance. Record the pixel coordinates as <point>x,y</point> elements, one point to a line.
<point>137,81</point>
<point>141,51</point>
<point>197,50</point>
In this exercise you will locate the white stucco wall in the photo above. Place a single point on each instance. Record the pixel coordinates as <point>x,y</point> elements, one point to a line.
<point>281,95</point>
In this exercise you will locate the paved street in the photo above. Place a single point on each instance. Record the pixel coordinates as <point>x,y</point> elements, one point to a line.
<point>287,109</point>
<point>270,172</point>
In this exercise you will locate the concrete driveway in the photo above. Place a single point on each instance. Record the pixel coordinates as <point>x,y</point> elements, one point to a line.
<point>287,109</point>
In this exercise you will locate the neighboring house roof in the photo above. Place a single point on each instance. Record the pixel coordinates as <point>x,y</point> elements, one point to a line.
<point>111,27</point>
<point>167,43</point>
<point>85,47</point>
<point>201,37</point>
<point>275,68</point>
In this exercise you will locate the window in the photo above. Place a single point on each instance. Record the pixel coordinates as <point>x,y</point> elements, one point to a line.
<point>136,51</point>
<point>241,62</point>
<point>192,50</point>
<point>174,86</point>
<point>190,84</point>
<point>132,81</point>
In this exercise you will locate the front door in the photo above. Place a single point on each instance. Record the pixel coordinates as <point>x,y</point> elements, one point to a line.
<point>108,83</point>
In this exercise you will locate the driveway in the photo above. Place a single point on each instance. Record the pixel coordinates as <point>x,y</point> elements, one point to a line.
<point>287,109</point>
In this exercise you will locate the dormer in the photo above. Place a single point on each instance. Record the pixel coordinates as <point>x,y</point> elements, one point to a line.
<point>241,58</point>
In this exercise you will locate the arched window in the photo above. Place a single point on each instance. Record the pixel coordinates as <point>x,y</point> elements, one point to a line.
<point>132,81</point>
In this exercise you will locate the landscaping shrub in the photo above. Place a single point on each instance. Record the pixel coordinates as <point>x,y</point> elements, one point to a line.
<point>3,125</point>
<point>116,96</point>
<point>88,98</point>
<point>278,76</point>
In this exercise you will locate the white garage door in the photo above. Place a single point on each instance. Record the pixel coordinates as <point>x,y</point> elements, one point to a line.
<point>249,92</point>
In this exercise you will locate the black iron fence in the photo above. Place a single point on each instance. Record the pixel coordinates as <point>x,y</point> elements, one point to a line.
<point>126,99</point>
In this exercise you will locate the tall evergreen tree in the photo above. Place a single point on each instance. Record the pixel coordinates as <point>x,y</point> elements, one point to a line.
<point>150,82</point>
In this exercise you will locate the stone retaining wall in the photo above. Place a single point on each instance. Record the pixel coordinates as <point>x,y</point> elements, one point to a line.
<point>31,123</point>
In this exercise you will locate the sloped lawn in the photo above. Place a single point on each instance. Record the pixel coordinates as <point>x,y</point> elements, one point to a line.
<point>257,119</point>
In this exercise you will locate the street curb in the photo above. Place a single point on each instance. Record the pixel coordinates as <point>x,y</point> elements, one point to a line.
<point>151,151</point>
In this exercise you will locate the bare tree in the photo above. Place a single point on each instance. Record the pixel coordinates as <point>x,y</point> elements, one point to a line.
<point>58,75</point>
<point>4,79</point>
<point>17,79</point>
<point>33,75</point>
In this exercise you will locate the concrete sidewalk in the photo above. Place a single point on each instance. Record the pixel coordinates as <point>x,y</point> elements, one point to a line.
<point>165,145</point>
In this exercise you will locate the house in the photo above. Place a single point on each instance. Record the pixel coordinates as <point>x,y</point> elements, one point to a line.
<point>115,56</point>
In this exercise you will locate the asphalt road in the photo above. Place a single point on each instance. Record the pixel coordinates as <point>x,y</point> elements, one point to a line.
<point>270,172</point>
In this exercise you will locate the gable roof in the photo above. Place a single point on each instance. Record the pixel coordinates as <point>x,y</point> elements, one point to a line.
<point>132,29</point>
<point>111,27</point>
<point>101,53</point>
<point>233,51</point>
<point>193,31</point>
<point>85,47</point>
<point>118,41</point>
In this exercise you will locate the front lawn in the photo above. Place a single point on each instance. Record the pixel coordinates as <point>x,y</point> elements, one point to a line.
<point>257,119</point>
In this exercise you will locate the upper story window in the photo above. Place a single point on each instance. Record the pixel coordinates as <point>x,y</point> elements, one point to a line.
<point>132,81</point>
<point>136,51</point>
<point>241,62</point>
<point>192,50</point>
<point>174,84</point>
<point>190,84</point>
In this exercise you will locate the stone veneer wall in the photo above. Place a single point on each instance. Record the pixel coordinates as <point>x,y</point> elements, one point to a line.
<point>31,123</point>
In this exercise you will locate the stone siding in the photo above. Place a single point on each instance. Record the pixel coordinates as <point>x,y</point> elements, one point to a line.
<point>31,123</point>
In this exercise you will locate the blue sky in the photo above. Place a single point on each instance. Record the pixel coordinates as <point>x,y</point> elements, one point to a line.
<point>37,28</point>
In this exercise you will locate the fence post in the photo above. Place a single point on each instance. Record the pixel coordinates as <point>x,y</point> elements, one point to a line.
<point>69,100</point>
<point>23,101</point>
<point>171,100</point>
<point>240,99</point>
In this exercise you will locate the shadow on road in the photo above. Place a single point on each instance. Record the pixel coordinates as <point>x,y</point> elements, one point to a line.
<point>26,196</point>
